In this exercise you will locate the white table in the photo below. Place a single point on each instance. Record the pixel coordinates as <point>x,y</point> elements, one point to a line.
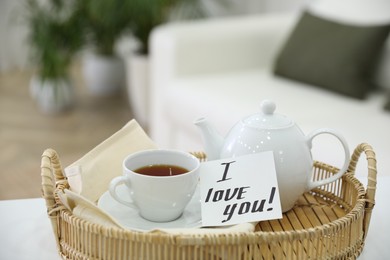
<point>26,233</point>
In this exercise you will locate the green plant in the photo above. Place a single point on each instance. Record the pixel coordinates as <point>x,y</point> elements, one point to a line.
<point>55,36</point>
<point>105,21</point>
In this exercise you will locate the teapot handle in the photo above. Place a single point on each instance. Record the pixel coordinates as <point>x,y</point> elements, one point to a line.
<point>312,184</point>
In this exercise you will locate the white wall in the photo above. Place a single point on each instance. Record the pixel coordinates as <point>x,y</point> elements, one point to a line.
<point>13,45</point>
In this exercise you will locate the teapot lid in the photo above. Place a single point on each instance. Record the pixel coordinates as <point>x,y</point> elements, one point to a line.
<point>267,119</point>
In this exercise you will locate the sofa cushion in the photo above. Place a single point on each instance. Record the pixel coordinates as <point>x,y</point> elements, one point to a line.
<point>363,13</point>
<point>336,56</point>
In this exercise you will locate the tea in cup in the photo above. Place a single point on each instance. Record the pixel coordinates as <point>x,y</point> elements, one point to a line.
<point>160,183</point>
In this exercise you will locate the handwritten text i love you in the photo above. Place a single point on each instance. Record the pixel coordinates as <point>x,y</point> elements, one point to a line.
<point>238,190</point>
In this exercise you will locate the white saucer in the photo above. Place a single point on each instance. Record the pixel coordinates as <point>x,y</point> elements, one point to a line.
<point>130,218</point>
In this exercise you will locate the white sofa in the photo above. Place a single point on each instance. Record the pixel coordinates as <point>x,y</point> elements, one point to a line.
<point>222,69</point>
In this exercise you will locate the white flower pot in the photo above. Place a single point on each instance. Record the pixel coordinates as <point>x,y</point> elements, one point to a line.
<point>137,68</point>
<point>104,75</point>
<point>52,96</point>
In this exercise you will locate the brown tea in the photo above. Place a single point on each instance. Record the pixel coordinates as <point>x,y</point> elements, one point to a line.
<point>161,170</point>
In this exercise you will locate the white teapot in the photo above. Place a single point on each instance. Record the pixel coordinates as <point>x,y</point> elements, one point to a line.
<point>267,131</point>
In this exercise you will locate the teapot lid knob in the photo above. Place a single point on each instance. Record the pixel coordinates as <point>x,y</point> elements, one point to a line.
<point>268,107</point>
<point>267,119</point>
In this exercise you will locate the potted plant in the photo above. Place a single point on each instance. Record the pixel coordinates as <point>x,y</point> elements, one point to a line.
<point>104,21</point>
<point>145,16</point>
<point>55,36</point>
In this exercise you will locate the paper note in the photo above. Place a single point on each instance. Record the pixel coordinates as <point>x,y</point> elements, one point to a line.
<point>240,189</point>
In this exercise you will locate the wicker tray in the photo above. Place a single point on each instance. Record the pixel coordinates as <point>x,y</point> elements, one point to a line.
<point>330,222</point>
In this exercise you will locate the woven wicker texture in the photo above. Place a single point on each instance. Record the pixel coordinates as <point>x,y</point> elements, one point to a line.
<point>330,222</point>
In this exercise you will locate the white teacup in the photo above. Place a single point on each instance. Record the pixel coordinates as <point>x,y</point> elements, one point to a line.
<point>158,198</point>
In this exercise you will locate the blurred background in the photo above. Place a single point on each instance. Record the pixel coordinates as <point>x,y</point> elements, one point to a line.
<point>65,77</point>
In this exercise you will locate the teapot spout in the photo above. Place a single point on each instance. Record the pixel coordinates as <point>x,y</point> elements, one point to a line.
<point>212,140</point>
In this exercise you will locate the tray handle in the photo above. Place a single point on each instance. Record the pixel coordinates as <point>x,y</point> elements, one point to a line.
<point>52,179</point>
<point>371,180</point>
